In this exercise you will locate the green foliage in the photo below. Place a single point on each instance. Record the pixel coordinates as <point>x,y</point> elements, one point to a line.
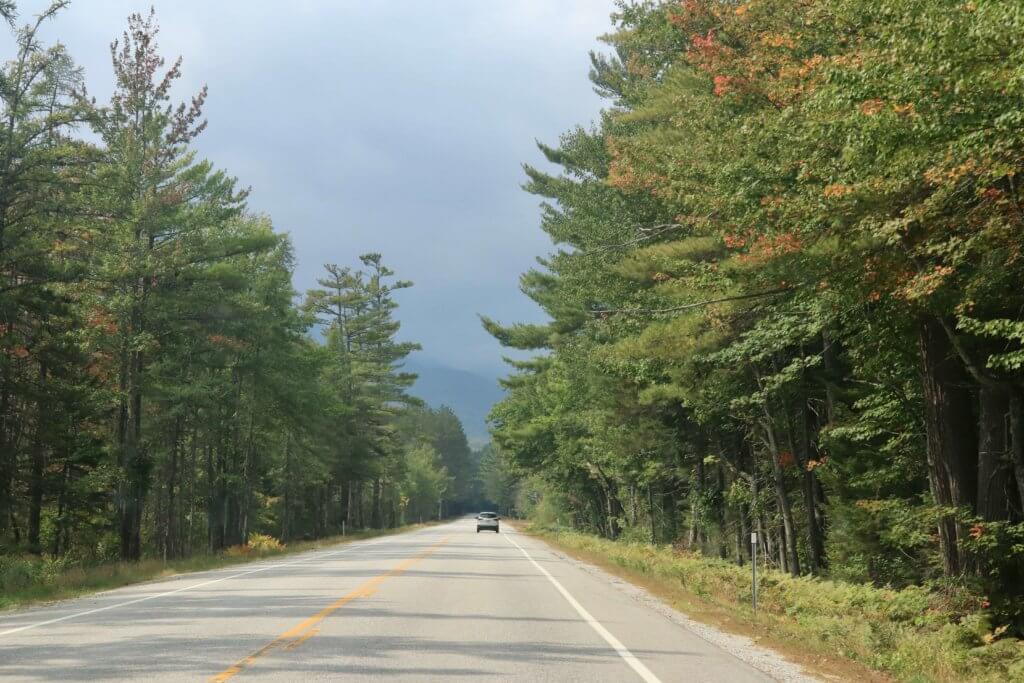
<point>998,548</point>
<point>263,543</point>
<point>500,485</point>
<point>162,395</point>
<point>784,297</point>
<point>426,483</point>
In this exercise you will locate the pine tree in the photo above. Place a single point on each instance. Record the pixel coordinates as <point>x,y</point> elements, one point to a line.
<point>39,171</point>
<point>161,218</point>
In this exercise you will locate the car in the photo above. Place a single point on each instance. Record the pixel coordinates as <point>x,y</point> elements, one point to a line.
<point>488,521</point>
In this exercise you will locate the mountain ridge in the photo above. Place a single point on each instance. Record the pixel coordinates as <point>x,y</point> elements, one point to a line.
<point>469,394</point>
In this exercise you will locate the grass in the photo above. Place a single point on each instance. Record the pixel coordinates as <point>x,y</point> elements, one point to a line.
<point>841,630</point>
<point>27,580</point>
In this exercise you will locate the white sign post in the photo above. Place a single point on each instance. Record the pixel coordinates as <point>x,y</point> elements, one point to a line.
<point>753,566</point>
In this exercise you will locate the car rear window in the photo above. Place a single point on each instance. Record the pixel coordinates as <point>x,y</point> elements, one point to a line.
<point>488,515</point>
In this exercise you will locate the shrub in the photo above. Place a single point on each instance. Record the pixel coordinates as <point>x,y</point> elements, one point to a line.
<point>263,543</point>
<point>258,544</point>
<point>17,573</point>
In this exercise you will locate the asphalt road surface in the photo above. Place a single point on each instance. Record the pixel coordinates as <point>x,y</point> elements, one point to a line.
<point>442,603</point>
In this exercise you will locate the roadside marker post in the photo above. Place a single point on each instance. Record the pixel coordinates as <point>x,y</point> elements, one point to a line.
<point>753,566</point>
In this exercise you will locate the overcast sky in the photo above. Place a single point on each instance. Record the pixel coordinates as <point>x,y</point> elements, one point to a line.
<point>396,126</point>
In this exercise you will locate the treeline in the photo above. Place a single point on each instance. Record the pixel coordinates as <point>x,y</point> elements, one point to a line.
<point>788,291</point>
<point>163,389</point>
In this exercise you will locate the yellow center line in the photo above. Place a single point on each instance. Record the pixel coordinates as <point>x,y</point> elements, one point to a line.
<point>304,630</point>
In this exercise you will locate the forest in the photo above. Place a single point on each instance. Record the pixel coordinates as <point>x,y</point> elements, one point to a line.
<point>164,390</point>
<point>786,296</point>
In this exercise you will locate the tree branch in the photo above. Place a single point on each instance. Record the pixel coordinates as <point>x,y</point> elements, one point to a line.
<point>979,375</point>
<point>646,233</point>
<point>686,307</point>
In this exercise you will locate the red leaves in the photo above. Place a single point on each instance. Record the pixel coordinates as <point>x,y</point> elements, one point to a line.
<point>734,241</point>
<point>710,55</point>
<point>768,247</point>
<point>763,248</point>
<point>723,84</point>
<point>103,321</point>
<point>691,9</point>
<point>705,44</point>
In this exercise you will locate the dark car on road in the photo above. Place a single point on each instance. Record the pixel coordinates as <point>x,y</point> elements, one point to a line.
<point>487,521</point>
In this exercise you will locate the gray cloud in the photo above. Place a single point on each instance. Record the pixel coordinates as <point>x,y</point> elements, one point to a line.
<point>396,126</point>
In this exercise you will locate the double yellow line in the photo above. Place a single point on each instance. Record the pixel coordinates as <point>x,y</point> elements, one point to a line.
<point>305,630</point>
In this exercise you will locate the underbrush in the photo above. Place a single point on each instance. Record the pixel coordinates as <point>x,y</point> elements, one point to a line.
<point>916,634</point>
<point>25,579</point>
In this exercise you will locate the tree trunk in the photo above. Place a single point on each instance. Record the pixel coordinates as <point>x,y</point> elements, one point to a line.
<point>952,446</point>
<point>764,536</point>
<point>801,445</point>
<point>631,505</point>
<point>286,503</point>
<point>696,537</point>
<point>832,374</point>
<point>376,520</point>
<point>650,504</point>
<point>36,480</point>
<point>723,550</point>
<point>345,501</point>
<point>356,505</point>
<point>212,507</point>
<point>7,459</point>
<point>192,475</point>
<point>756,514</point>
<point>132,462</point>
<point>615,511</point>
<point>742,535</point>
<point>36,497</point>
<point>171,522</point>
<point>782,499</point>
<point>60,523</point>
<point>993,444</point>
<point>1017,441</point>
<point>782,547</point>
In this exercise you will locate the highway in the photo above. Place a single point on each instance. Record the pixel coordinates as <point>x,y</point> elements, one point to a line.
<point>439,603</point>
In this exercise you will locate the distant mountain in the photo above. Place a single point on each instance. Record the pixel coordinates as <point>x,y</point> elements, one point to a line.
<point>470,395</point>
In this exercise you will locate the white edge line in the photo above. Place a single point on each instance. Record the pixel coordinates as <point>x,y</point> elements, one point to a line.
<point>76,615</point>
<point>616,644</point>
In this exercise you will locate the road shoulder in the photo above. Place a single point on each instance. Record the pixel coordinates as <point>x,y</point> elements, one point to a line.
<point>90,582</point>
<point>751,643</point>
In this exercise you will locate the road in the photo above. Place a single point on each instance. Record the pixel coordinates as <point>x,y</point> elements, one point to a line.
<point>440,603</point>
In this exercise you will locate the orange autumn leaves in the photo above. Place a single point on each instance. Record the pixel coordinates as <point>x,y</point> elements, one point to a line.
<point>759,249</point>
<point>745,50</point>
<point>758,60</point>
<point>875,106</point>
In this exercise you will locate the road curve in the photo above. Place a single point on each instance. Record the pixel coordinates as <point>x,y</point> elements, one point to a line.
<point>441,603</point>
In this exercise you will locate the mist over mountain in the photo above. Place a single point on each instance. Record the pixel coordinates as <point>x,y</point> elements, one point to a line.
<point>469,394</point>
